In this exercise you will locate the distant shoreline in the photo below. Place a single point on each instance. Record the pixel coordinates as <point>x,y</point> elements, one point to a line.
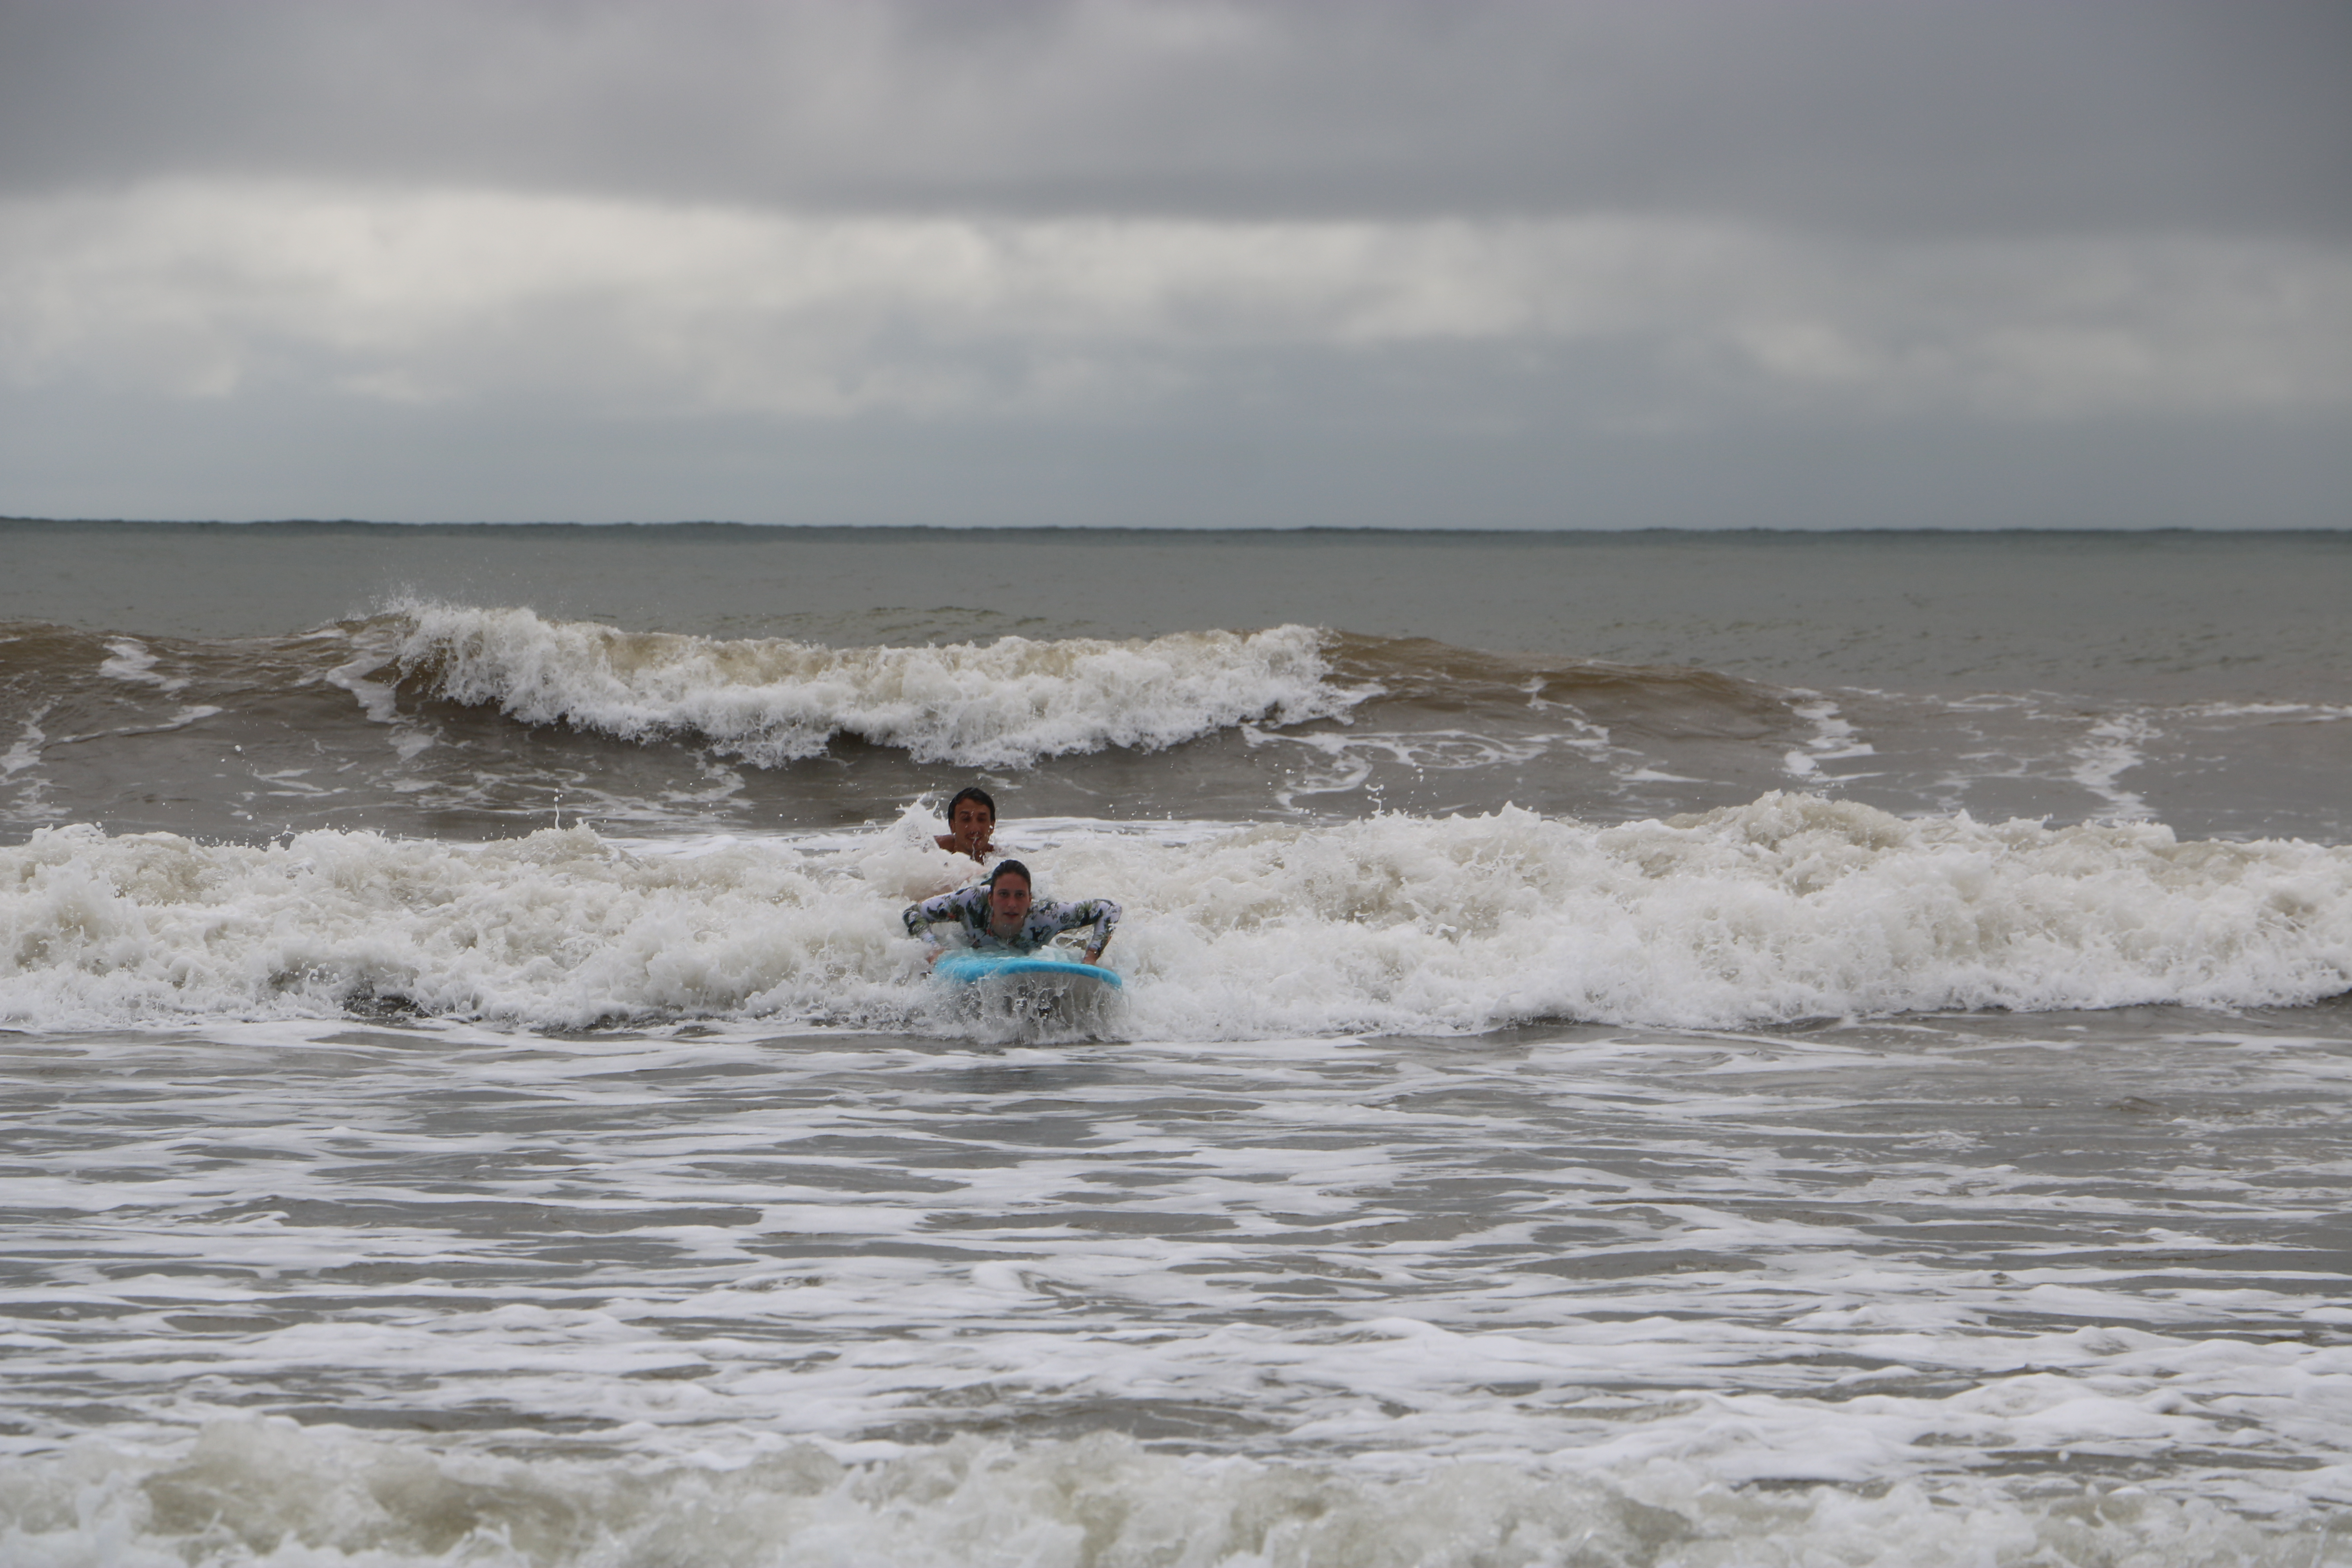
<point>1070,530</point>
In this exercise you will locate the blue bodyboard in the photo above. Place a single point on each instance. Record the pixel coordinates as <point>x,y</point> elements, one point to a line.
<point>966,966</point>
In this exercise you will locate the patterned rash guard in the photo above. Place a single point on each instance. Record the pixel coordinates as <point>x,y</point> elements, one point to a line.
<point>968,906</point>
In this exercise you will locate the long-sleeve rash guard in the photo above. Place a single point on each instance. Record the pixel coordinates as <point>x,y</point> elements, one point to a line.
<point>968,906</point>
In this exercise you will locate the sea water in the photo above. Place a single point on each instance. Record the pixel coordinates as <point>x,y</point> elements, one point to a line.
<point>1636,1050</point>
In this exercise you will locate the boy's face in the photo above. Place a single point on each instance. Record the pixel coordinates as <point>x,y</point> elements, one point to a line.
<point>973,822</point>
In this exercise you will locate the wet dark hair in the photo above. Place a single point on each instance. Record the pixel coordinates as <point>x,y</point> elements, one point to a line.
<point>1017,868</point>
<point>974,792</point>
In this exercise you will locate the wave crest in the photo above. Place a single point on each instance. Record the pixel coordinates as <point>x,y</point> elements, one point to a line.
<point>1790,907</point>
<point>1008,703</point>
<point>275,1493</point>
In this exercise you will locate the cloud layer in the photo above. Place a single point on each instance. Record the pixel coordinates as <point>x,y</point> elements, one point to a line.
<point>1711,224</point>
<point>203,289</point>
<point>2053,114</point>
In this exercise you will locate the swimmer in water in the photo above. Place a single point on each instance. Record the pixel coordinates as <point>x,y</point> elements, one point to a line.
<point>1000,914</point>
<point>971,825</point>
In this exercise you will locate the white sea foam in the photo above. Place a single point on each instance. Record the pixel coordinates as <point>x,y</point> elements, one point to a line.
<point>2109,749</point>
<point>1006,703</point>
<point>379,698</point>
<point>133,661</point>
<point>553,929</point>
<point>1788,907</point>
<point>29,799</point>
<point>1341,762</point>
<point>27,752</point>
<point>1834,739</point>
<point>272,1493</point>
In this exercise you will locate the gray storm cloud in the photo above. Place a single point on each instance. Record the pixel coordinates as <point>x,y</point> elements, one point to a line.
<point>2065,114</point>
<point>1593,264</point>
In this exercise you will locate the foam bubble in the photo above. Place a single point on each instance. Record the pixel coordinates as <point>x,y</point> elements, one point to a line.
<point>1788,907</point>
<point>1006,703</point>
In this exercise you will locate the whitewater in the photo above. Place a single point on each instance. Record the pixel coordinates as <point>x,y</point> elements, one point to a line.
<point>1789,907</point>
<point>1635,1049</point>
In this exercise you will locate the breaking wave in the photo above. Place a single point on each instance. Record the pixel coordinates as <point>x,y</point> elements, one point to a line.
<point>1788,907</point>
<point>1007,703</point>
<point>274,1493</point>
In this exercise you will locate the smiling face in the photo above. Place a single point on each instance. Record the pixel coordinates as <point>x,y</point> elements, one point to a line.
<point>971,823</point>
<point>1008,904</point>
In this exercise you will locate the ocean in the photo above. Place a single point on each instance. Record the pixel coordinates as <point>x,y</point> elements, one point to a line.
<point>1655,1048</point>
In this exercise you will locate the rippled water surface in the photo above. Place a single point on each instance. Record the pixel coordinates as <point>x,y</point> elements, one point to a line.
<point>2113,1242</point>
<point>1648,1051</point>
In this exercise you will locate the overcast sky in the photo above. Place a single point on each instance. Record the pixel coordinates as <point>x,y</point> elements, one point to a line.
<point>1691,263</point>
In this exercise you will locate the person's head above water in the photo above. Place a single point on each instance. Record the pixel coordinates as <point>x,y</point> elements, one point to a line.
<point>1000,913</point>
<point>971,825</point>
<point>1008,898</point>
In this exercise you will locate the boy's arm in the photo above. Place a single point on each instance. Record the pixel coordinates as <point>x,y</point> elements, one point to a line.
<point>1100,913</point>
<point>920,918</point>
